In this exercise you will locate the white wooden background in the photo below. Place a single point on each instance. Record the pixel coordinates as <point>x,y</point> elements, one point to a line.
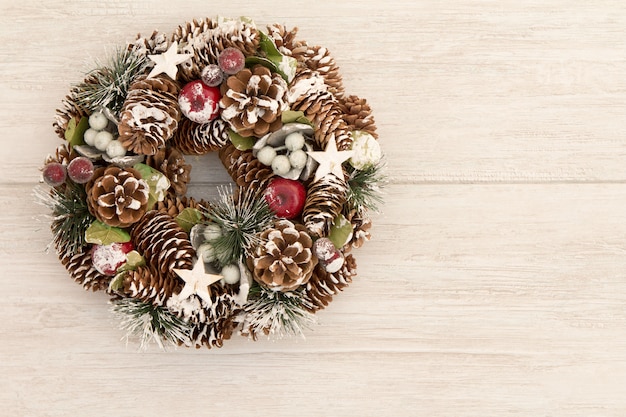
<point>495,284</point>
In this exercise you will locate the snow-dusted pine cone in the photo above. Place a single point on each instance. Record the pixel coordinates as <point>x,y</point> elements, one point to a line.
<point>253,101</point>
<point>323,285</point>
<point>173,206</point>
<point>62,155</point>
<point>163,243</point>
<point>150,114</point>
<point>319,59</point>
<point>361,224</point>
<point>284,260</point>
<point>198,139</point>
<point>286,42</point>
<point>358,114</point>
<point>245,169</point>
<point>172,164</point>
<point>155,44</point>
<point>81,269</point>
<point>116,196</point>
<point>148,285</point>
<point>324,201</point>
<point>207,38</point>
<point>211,324</point>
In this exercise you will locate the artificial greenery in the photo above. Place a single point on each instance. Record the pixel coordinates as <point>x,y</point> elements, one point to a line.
<point>70,216</point>
<point>277,313</point>
<point>241,218</point>
<point>150,323</point>
<point>107,86</point>
<point>365,187</point>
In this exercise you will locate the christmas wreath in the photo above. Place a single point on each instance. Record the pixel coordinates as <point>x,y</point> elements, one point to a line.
<point>267,254</point>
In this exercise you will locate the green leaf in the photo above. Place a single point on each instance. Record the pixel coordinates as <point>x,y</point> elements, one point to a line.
<point>133,261</point>
<point>75,131</point>
<point>254,60</point>
<point>240,142</point>
<point>284,65</point>
<point>188,218</point>
<point>103,234</point>
<point>292,116</point>
<point>157,182</point>
<point>117,282</point>
<point>341,231</point>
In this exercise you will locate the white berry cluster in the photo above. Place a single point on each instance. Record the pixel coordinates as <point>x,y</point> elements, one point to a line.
<point>101,138</point>
<point>294,156</point>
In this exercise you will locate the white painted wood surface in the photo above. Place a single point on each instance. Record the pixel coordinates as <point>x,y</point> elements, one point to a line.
<point>495,284</point>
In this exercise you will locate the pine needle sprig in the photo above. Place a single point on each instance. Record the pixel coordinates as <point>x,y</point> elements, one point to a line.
<point>365,187</point>
<point>70,216</point>
<point>277,313</point>
<point>150,323</point>
<point>107,86</point>
<point>241,219</point>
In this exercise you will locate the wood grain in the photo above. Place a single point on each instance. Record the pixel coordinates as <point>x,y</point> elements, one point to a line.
<point>494,285</point>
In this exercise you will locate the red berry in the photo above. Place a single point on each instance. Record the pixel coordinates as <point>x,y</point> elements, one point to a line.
<point>54,174</point>
<point>212,75</point>
<point>80,170</point>
<point>107,259</point>
<point>199,102</point>
<point>231,61</point>
<point>285,197</point>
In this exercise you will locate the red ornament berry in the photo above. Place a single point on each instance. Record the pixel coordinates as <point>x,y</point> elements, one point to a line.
<point>54,174</point>
<point>199,102</point>
<point>327,254</point>
<point>212,75</point>
<point>285,197</point>
<point>107,259</point>
<point>231,60</point>
<point>80,170</point>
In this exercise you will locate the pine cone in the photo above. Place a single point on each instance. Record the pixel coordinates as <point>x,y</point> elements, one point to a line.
<point>358,114</point>
<point>116,196</point>
<point>206,39</point>
<point>246,170</point>
<point>198,139</point>
<point>361,224</point>
<point>253,101</point>
<point>286,42</point>
<point>148,285</point>
<point>284,260</point>
<point>173,206</point>
<point>155,44</point>
<point>324,201</point>
<point>211,323</point>
<point>62,155</point>
<point>322,109</point>
<point>172,164</point>
<point>162,242</point>
<point>71,108</point>
<point>319,59</point>
<point>150,114</point>
<point>323,286</point>
<point>82,271</point>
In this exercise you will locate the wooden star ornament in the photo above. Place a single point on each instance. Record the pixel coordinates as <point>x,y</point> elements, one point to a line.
<point>168,61</point>
<point>330,160</point>
<point>197,281</point>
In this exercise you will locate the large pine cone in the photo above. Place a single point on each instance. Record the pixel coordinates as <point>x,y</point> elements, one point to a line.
<point>319,59</point>
<point>172,164</point>
<point>173,206</point>
<point>116,196</point>
<point>253,101</point>
<point>246,170</point>
<point>284,260</point>
<point>81,269</point>
<point>199,139</point>
<point>323,285</point>
<point>150,114</point>
<point>150,286</point>
<point>206,39</point>
<point>358,114</point>
<point>324,201</point>
<point>163,243</point>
